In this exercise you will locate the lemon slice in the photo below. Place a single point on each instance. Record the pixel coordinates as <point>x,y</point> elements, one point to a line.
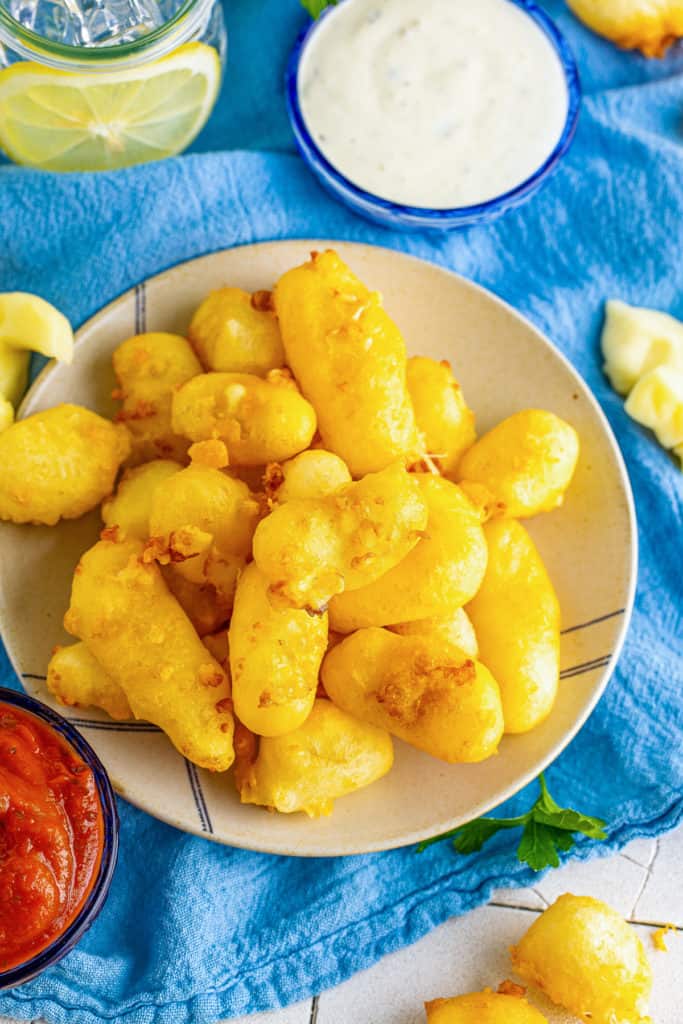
<point>635,341</point>
<point>657,402</point>
<point>29,323</point>
<point>6,414</point>
<point>72,121</point>
<point>13,373</point>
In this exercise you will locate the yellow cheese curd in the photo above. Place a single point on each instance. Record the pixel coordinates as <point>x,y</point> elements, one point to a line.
<point>311,474</point>
<point>650,26</point>
<point>441,412</point>
<point>442,572</point>
<point>516,617</point>
<point>483,1008</point>
<point>130,507</point>
<point>259,420</point>
<point>149,367</point>
<point>275,656</point>
<point>435,698</point>
<point>454,628</point>
<point>330,755</point>
<point>236,332</point>
<point>76,679</point>
<point>58,464</point>
<point>313,548</point>
<point>585,957</point>
<point>522,466</point>
<point>122,609</point>
<point>349,358</point>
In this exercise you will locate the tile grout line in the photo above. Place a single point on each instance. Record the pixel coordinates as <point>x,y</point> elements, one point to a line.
<point>541,898</point>
<point>657,924</point>
<point>646,878</point>
<point>535,910</point>
<point>631,860</point>
<point>513,906</point>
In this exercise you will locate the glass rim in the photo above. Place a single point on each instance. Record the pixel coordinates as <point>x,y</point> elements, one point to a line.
<point>95,899</point>
<point>427,216</point>
<point>36,46</point>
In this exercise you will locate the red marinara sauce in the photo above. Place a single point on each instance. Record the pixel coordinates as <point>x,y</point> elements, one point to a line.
<point>51,835</point>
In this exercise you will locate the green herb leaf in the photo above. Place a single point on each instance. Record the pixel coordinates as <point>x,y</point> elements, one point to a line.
<point>573,821</point>
<point>471,837</point>
<point>547,829</point>
<point>548,812</point>
<point>316,7</point>
<point>537,847</point>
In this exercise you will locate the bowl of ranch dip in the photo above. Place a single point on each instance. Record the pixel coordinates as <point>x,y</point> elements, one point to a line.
<point>433,113</point>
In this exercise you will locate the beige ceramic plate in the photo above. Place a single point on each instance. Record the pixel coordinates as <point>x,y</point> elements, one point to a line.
<point>504,364</point>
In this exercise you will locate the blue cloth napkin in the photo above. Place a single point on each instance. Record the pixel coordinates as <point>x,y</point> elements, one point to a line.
<point>194,932</point>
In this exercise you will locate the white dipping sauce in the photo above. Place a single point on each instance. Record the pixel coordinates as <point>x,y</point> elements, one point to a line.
<point>433,103</point>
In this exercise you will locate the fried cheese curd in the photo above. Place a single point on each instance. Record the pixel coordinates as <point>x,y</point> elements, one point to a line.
<point>122,609</point>
<point>149,367</point>
<point>443,417</point>
<point>650,26</point>
<point>483,1008</point>
<point>235,332</point>
<point>312,548</point>
<point>275,657</point>
<point>259,420</point>
<point>328,756</point>
<point>201,524</point>
<point>129,508</point>
<point>586,958</point>
<point>442,572</point>
<point>454,628</point>
<point>522,466</point>
<point>58,464</point>
<point>349,358</point>
<point>516,618</point>
<point>311,474</point>
<point>76,678</point>
<point>437,699</point>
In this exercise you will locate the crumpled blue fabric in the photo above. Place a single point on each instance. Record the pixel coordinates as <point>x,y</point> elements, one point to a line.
<point>194,932</point>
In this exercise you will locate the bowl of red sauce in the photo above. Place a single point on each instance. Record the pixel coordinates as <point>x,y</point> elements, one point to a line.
<point>58,837</point>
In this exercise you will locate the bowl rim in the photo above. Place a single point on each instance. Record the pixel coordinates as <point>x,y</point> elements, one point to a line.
<point>426,216</point>
<point>64,943</point>
<point>393,841</point>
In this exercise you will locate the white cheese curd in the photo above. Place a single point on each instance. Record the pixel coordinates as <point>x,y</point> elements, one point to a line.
<point>433,103</point>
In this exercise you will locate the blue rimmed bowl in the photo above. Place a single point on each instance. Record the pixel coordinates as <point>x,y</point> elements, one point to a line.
<point>418,218</point>
<point>65,942</point>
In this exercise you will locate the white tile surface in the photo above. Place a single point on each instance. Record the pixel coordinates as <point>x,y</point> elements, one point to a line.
<point>644,882</point>
<point>662,895</point>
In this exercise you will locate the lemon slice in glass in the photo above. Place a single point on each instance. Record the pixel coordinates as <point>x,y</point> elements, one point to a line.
<point>91,121</point>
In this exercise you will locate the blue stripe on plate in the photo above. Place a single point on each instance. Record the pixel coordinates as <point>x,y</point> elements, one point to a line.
<point>587,666</point>
<point>593,622</point>
<point>91,723</point>
<point>198,795</point>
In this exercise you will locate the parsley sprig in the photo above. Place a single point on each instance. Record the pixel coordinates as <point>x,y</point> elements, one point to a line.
<point>546,829</point>
<point>316,7</point>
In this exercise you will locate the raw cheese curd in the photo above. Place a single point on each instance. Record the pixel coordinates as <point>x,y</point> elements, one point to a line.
<point>437,104</point>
